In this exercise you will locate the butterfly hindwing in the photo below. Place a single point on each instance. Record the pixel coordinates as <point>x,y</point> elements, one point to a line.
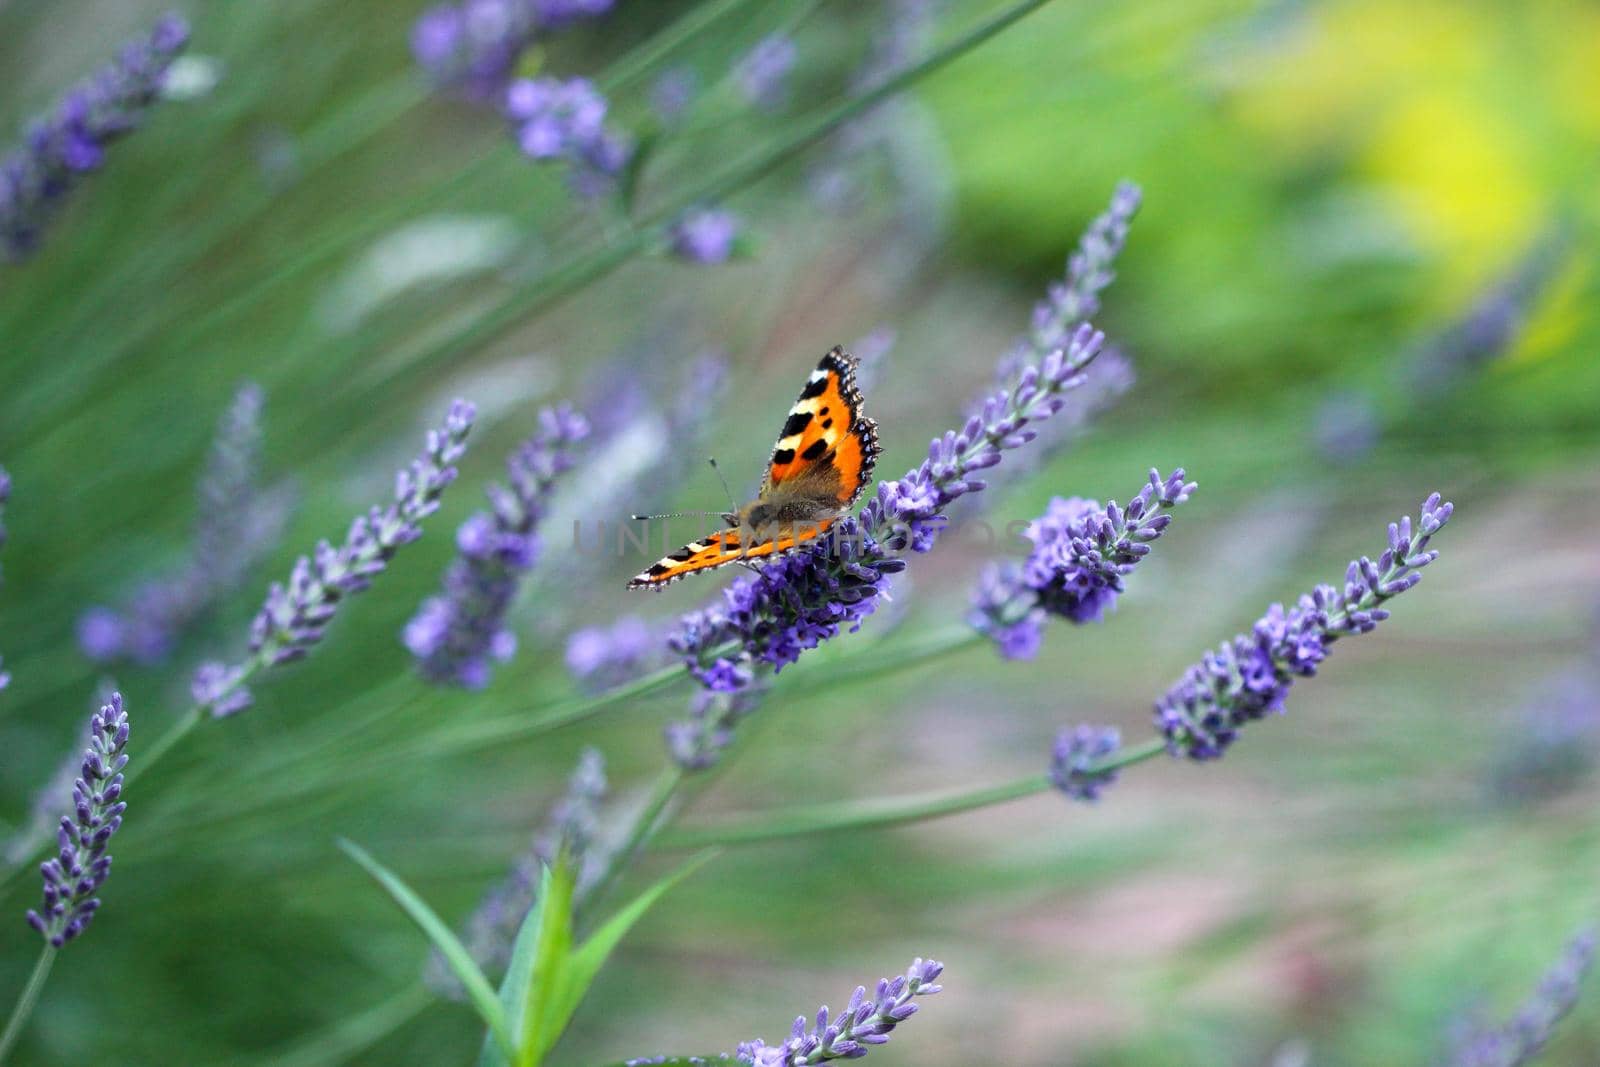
<point>725,547</point>
<point>826,440</point>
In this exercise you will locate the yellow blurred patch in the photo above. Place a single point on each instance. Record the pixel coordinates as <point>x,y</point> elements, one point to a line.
<point>1554,320</point>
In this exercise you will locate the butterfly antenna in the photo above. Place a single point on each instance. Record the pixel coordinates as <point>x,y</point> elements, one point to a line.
<point>674,515</point>
<point>733,505</point>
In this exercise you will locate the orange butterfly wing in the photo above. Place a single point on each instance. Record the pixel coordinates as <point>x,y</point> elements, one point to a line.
<point>825,428</point>
<point>719,550</point>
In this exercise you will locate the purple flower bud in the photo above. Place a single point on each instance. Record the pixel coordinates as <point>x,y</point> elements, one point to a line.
<point>705,236</point>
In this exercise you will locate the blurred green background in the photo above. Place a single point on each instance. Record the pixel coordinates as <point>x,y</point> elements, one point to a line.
<point>1328,186</point>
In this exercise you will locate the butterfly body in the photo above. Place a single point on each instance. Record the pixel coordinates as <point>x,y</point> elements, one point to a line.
<point>819,467</point>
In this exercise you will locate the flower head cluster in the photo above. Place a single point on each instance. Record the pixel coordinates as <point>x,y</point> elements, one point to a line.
<point>565,120</point>
<point>1075,756</point>
<point>600,657</point>
<point>236,523</point>
<point>295,615</point>
<point>1249,677</point>
<point>456,634</point>
<point>83,864</point>
<point>72,141</point>
<point>763,74</point>
<point>1526,1034</point>
<point>474,45</point>
<point>866,1020</point>
<point>1081,554</point>
<point>799,600</point>
<point>569,829</point>
<point>705,235</point>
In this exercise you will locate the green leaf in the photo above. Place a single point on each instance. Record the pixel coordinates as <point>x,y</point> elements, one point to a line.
<point>479,991</point>
<point>544,941</point>
<point>591,956</point>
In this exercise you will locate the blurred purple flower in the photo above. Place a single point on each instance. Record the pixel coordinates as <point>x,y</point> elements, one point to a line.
<point>570,828</point>
<point>672,94</point>
<point>865,1021</point>
<point>705,235</point>
<point>763,73</point>
<point>900,38</point>
<point>1527,1033</point>
<point>1492,324</point>
<point>1076,753</point>
<point>73,139</point>
<point>474,45</point>
<point>1552,743</point>
<point>457,634</point>
<point>83,864</point>
<point>236,523</point>
<point>1249,677</point>
<point>294,617</point>
<point>1081,554</point>
<point>1346,426</point>
<point>600,657</point>
<point>566,121</point>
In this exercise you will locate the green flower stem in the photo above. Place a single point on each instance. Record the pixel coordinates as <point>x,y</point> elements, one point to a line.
<point>26,1001</point>
<point>881,812</point>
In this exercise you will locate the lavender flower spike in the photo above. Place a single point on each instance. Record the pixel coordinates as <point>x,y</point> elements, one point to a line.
<point>566,120</point>
<point>69,143</point>
<point>1081,554</point>
<point>706,236</point>
<point>456,634</point>
<point>82,865</point>
<point>571,828</point>
<point>474,45</point>
<point>1249,677</point>
<point>236,522</point>
<point>864,1022</point>
<point>294,617</point>
<point>1521,1039</point>
<point>763,74</point>
<point>1074,757</point>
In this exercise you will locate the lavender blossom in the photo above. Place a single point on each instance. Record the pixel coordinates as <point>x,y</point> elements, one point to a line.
<point>696,742</point>
<point>1491,325</point>
<point>1249,677</point>
<point>566,121</point>
<point>601,657</point>
<point>1552,743</point>
<point>569,829</point>
<point>673,94</point>
<point>763,74</point>
<point>83,864</point>
<point>706,236</point>
<point>1081,554</point>
<point>72,141</point>
<point>799,600</point>
<point>864,1022</point>
<point>1073,759</point>
<point>457,634</point>
<point>475,45</point>
<point>1527,1033</point>
<point>294,617</point>
<point>899,39</point>
<point>236,522</point>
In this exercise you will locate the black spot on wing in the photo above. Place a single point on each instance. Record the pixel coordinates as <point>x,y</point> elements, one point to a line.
<point>827,424</point>
<point>818,447</point>
<point>659,569</point>
<point>783,456</point>
<point>815,387</point>
<point>796,424</point>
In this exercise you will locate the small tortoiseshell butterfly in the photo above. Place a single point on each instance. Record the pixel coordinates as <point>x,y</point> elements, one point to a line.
<point>819,467</point>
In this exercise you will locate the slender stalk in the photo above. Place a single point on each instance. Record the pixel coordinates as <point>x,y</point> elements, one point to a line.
<point>26,1002</point>
<point>643,829</point>
<point>881,812</point>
